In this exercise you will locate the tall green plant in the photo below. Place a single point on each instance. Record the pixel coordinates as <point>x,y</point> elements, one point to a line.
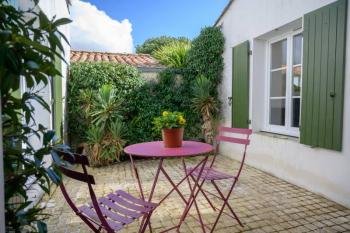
<point>205,57</point>
<point>105,108</point>
<point>29,45</point>
<point>206,104</point>
<point>174,54</point>
<point>86,79</point>
<point>106,131</point>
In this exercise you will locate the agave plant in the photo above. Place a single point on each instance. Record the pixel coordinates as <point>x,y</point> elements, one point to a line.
<point>106,131</point>
<point>205,104</point>
<point>174,54</point>
<point>106,108</point>
<point>117,133</point>
<point>95,135</point>
<point>86,98</point>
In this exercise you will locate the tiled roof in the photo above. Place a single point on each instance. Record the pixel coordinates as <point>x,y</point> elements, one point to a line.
<point>136,60</point>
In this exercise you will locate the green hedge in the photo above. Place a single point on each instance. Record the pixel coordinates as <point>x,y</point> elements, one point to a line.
<point>91,76</point>
<point>205,57</point>
<point>152,99</point>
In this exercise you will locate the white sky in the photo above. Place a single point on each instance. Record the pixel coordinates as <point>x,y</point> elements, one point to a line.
<point>93,30</point>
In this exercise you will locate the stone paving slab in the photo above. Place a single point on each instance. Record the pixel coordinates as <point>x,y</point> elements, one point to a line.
<point>263,202</point>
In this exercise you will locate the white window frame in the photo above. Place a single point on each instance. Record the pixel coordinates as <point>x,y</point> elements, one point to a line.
<point>287,129</point>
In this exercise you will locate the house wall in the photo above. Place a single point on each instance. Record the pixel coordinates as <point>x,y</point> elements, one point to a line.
<point>322,171</point>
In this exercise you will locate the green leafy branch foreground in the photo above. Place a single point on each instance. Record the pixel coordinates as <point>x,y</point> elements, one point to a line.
<point>29,45</point>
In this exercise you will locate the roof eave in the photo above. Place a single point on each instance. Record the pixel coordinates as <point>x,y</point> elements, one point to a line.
<point>223,12</point>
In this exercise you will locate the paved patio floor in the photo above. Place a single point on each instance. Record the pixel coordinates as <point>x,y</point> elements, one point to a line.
<point>263,202</point>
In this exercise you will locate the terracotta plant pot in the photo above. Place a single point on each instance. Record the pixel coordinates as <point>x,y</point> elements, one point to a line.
<point>172,137</point>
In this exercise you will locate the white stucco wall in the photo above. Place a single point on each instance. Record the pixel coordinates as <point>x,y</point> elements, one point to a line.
<point>322,171</point>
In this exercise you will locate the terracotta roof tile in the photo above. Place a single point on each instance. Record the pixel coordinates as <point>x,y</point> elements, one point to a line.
<point>136,60</point>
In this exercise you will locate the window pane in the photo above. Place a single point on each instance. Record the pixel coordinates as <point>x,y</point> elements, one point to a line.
<point>296,81</point>
<point>297,43</point>
<point>277,112</point>
<point>278,83</point>
<point>279,54</point>
<point>295,112</point>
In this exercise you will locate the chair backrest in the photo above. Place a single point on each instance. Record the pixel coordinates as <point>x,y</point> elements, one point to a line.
<point>74,158</point>
<point>236,136</point>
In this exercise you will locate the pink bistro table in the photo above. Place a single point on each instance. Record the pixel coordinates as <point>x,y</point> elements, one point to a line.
<point>156,149</point>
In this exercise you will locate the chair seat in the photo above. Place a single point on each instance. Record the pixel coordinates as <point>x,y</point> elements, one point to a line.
<point>119,209</point>
<point>209,173</point>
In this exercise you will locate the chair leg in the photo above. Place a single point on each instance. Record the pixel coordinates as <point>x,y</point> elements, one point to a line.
<point>205,196</point>
<point>150,227</point>
<point>228,204</point>
<point>193,195</point>
<point>90,224</point>
<point>225,203</point>
<point>145,224</point>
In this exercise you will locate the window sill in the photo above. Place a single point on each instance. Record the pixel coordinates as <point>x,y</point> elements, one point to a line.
<point>279,136</point>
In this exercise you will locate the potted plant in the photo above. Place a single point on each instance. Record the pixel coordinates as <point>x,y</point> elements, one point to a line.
<point>172,126</point>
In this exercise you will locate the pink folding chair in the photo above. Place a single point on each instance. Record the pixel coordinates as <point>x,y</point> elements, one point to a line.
<point>110,213</point>
<point>212,175</point>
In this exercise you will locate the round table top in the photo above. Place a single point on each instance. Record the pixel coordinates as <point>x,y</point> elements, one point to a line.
<point>157,149</point>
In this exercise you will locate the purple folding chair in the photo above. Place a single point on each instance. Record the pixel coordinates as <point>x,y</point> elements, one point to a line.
<point>110,213</point>
<point>212,175</point>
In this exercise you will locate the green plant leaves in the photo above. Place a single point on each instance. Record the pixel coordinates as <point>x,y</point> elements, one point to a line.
<point>42,227</point>
<point>205,56</point>
<point>174,54</point>
<point>23,55</point>
<point>86,80</point>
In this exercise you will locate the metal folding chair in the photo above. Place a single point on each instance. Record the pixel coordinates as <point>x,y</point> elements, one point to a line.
<point>110,213</point>
<point>212,175</point>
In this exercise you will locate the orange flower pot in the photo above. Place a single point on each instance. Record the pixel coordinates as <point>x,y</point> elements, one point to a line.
<point>172,137</point>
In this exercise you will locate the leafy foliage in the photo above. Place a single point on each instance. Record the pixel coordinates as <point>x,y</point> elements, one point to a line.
<point>173,54</point>
<point>205,57</point>
<point>152,99</point>
<point>153,44</point>
<point>86,78</point>
<point>142,102</point>
<point>169,120</point>
<point>105,130</point>
<point>104,146</point>
<point>205,64</point>
<point>24,55</point>
<point>105,108</point>
<point>206,104</point>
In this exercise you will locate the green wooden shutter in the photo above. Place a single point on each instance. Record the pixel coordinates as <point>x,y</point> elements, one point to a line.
<point>240,85</point>
<point>323,76</point>
<point>57,100</point>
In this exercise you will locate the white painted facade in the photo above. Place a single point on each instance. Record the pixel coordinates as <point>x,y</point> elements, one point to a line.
<point>322,171</point>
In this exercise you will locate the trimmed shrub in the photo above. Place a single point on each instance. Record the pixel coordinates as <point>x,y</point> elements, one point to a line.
<point>152,99</point>
<point>205,57</point>
<point>89,77</point>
